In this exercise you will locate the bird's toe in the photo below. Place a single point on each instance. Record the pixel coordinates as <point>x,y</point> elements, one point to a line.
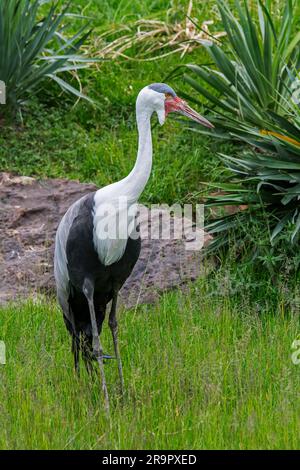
<point>107,356</point>
<point>103,356</point>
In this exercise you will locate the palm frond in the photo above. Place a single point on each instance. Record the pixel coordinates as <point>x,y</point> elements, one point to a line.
<point>253,91</point>
<point>34,48</point>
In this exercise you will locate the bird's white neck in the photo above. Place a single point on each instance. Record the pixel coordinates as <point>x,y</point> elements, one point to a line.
<point>112,249</point>
<point>137,179</point>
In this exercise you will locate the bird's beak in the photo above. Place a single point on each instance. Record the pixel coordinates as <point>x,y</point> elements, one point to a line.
<point>177,105</point>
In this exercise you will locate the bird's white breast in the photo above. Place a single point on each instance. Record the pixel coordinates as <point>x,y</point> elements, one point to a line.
<point>114,221</point>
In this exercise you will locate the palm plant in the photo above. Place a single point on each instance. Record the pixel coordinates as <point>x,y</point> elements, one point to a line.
<point>266,178</point>
<point>255,75</point>
<point>34,48</point>
<point>251,93</point>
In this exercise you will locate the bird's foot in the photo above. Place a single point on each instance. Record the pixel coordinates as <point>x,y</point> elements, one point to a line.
<point>100,355</point>
<point>107,356</point>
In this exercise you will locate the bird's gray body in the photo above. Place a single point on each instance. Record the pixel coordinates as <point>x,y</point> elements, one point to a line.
<point>76,260</point>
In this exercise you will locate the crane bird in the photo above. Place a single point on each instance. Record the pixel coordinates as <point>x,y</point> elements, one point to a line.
<point>90,268</point>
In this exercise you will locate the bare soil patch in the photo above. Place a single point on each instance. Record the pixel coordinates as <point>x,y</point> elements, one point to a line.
<point>30,211</point>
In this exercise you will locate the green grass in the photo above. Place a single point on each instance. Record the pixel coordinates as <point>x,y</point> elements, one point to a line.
<point>200,372</point>
<point>57,145</point>
<point>99,144</point>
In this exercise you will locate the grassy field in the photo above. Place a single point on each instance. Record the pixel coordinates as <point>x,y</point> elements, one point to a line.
<point>201,372</point>
<point>99,143</point>
<point>209,368</point>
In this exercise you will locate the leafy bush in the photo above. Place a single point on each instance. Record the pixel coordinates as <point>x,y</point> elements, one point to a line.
<point>254,77</point>
<point>251,92</point>
<point>266,179</point>
<point>34,48</point>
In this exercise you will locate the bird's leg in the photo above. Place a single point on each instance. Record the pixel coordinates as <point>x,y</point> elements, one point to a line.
<point>88,290</point>
<point>75,350</point>
<point>75,339</point>
<point>87,355</point>
<point>113,324</point>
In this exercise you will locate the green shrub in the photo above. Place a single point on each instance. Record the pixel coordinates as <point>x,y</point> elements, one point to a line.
<point>34,48</point>
<point>252,75</point>
<point>251,90</point>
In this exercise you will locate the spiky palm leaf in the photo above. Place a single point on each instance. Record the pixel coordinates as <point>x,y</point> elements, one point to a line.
<point>257,72</point>
<point>33,48</point>
<point>251,94</point>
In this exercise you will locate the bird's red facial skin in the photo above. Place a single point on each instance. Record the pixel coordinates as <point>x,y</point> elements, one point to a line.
<point>174,104</point>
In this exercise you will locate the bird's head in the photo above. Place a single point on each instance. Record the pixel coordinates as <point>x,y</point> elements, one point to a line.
<point>162,99</point>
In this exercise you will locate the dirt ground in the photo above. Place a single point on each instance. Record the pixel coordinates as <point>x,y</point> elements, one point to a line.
<point>30,211</point>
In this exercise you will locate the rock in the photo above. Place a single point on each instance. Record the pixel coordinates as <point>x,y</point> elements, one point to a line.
<point>30,211</point>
